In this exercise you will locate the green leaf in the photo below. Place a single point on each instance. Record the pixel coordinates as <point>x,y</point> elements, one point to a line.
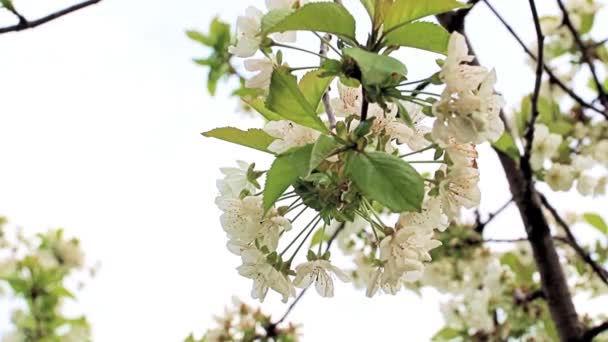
<point>260,107</point>
<point>322,149</point>
<point>596,221</point>
<point>319,237</point>
<point>254,138</point>
<point>285,170</point>
<point>313,86</point>
<point>406,11</point>
<point>369,7</point>
<point>286,99</point>
<point>326,17</point>
<point>506,144</point>
<point>200,37</point>
<point>377,69</point>
<point>386,179</point>
<point>446,334</point>
<point>420,35</point>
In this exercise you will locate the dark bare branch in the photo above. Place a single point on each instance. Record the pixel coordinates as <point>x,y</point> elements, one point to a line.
<point>595,331</point>
<point>482,225</point>
<point>598,269</point>
<point>584,53</point>
<point>25,24</point>
<point>552,77</point>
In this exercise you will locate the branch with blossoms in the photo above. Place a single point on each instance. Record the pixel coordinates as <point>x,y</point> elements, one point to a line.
<point>390,170</point>
<point>35,272</point>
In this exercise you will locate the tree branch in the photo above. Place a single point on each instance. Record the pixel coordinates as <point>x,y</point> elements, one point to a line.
<point>331,115</point>
<point>529,136</point>
<point>598,269</point>
<point>552,77</point>
<point>595,331</point>
<point>584,53</point>
<point>482,225</point>
<point>553,280</point>
<point>25,24</point>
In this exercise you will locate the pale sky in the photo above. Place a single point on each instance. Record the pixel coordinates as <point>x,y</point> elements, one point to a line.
<point>100,116</point>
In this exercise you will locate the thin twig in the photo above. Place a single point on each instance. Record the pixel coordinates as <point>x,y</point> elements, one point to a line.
<point>598,269</point>
<point>584,53</point>
<point>481,225</point>
<point>552,77</point>
<point>329,110</point>
<point>529,136</point>
<point>25,24</point>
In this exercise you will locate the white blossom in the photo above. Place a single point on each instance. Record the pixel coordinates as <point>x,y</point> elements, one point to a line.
<point>264,68</point>
<point>600,151</point>
<point>544,146</point>
<point>289,135</point>
<point>70,253</point>
<point>429,218</point>
<point>249,28</point>
<point>459,189</point>
<point>235,181</point>
<point>585,184</point>
<point>462,154</point>
<point>320,272</point>
<point>560,177</point>
<point>349,102</point>
<point>600,186</point>
<point>244,222</point>
<point>264,276</point>
<point>404,253</point>
<point>458,76</point>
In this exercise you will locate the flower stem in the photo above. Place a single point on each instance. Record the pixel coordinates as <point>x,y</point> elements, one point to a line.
<point>419,151</point>
<point>312,228</point>
<point>299,49</point>
<point>299,234</point>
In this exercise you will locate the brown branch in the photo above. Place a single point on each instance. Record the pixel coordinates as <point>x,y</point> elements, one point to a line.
<point>598,269</point>
<point>584,53</point>
<point>595,331</point>
<point>482,225</point>
<point>553,280</point>
<point>529,136</point>
<point>331,115</point>
<point>522,297</point>
<point>25,24</point>
<point>552,77</point>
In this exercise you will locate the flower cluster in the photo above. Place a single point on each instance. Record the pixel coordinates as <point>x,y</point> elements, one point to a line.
<point>244,323</point>
<point>35,271</point>
<point>347,209</point>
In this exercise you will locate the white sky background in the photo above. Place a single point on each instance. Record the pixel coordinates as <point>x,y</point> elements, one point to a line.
<point>100,116</point>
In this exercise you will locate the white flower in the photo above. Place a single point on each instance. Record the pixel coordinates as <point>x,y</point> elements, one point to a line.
<point>69,253</point>
<point>600,151</point>
<point>234,181</point>
<point>457,76</point>
<point>416,141</point>
<point>600,186</point>
<point>284,37</point>
<point>462,154</point>
<point>582,163</point>
<point>471,116</point>
<point>244,222</point>
<point>249,27</point>
<point>7,267</point>
<point>586,184</point>
<point>264,68</point>
<point>264,276</point>
<point>289,135</point>
<point>544,146</point>
<point>349,102</point>
<point>404,253</point>
<point>318,271</point>
<point>560,177</point>
<point>459,189</point>
<point>429,218</point>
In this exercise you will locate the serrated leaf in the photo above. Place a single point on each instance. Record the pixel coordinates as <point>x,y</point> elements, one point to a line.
<point>260,107</point>
<point>406,11</point>
<point>376,69</point>
<point>286,99</point>
<point>313,86</point>
<point>285,170</point>
<point>253,138</point>
<point>597,222</point>
<point>322,149</point>
<point>326,17</point>
<point>506,144</point>
<point>386,179</point>
<point>420,35</point>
